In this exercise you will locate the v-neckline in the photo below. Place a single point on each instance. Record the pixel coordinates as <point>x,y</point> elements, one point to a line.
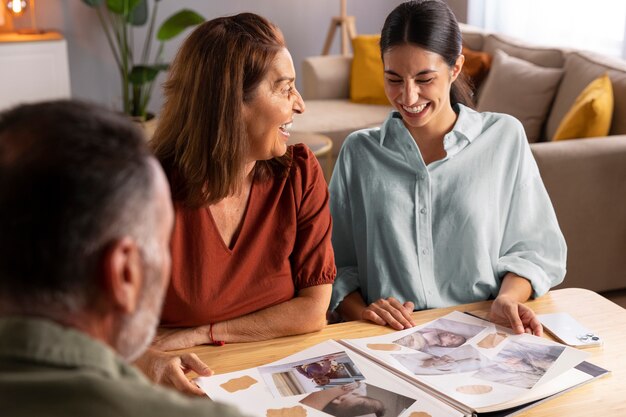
<point>244,221</point>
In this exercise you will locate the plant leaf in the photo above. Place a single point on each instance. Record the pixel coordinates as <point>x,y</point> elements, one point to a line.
<point>142,74</point>
<point>93,3</point>
<point>139,15</point>
<point>123,7</point>
<point>178,22</point>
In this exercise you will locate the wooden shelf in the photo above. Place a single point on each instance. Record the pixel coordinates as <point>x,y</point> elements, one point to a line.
<point>30,37</point>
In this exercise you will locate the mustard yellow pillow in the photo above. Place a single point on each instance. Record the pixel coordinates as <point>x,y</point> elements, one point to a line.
<point>591,113</point>
<point>366,77</point>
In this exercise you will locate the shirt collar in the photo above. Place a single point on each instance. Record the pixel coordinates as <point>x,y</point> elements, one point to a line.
<point>44,341</point>
<point>468,124</point>
<point>467,127</point>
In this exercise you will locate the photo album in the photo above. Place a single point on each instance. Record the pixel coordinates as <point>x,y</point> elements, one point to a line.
<point>457,365</point>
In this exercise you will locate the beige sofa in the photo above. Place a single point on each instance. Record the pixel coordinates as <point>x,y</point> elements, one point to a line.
<point>585,178</point>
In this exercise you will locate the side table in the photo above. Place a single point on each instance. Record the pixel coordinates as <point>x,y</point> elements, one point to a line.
<point>320,145</point>
<point>33,68</point>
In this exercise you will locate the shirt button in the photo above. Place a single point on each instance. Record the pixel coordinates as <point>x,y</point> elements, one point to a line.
<point>424,251</point>
<point>421,177</point>
<point>423,211</point>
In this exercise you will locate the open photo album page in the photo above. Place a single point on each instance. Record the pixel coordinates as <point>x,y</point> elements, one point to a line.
<point>324,380</point>
<point>474,362</point>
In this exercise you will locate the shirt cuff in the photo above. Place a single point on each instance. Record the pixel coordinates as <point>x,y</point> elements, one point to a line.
<point>346,282</point>
<point>541,279</point>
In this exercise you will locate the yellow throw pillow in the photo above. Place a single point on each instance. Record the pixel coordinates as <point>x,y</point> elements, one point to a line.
<point>366,78</point>
<point>591,113</point>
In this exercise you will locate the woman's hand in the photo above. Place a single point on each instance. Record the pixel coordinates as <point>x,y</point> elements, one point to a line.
<point>181,338</point>
<point>390,311</point>
<point>509,312</point>
<point>170,369</point>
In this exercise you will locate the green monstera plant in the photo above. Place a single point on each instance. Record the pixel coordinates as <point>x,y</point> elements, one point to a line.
<point>138,72</point>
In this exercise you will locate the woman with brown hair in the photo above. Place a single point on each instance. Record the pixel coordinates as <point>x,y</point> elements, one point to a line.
<point>251,251</point>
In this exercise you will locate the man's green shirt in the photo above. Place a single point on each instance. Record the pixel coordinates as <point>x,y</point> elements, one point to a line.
<point>49,370</point>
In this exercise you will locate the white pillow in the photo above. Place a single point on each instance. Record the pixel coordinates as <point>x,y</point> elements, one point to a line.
<point>522,89</point>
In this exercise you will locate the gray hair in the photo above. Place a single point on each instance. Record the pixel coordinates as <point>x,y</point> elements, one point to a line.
<point>74,178</point>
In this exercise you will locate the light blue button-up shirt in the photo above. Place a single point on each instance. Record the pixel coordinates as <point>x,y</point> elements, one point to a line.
<point>446,233</point>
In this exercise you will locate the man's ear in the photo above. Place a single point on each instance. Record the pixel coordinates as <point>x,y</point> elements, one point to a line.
<point>122,274</point>
<point>456,68</point>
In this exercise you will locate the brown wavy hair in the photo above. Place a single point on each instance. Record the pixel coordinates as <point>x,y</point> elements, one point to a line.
<point>201,139</point>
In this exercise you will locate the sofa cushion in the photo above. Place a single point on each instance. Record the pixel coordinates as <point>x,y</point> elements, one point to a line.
<point>326,77</point>
<point>521,89</point>
<point>473,37</point>
<point>580,69</point>
<point>545,57</point>
<point>476,66</point>
<point>590,116</point>
<point>338,118</point>
<point>367,74</point>
<point>585,181</point>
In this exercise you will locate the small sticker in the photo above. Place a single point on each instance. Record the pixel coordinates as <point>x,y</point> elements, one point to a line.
<point>492,340</point>
<point>297,411</point>
<point>475,389</point>
<point>420,414</point>
<point>383,346</point>
<point>239,384</point>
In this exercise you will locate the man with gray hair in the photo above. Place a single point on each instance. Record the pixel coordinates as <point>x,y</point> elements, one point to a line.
<point>85,224</point>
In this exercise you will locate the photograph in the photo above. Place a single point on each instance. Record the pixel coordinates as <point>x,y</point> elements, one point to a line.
<point>440,336</point>
<point>358,399</point>
<point>463,359</point>
<point>521,364</point>
<point>311,374</point>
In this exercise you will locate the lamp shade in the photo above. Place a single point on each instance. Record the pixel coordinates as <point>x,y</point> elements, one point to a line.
<point>16,7</point>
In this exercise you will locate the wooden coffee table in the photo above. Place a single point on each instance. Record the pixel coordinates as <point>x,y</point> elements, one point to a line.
<point>604,396</point>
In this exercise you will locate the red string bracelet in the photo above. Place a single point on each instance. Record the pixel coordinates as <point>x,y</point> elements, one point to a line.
<point>213,341</point>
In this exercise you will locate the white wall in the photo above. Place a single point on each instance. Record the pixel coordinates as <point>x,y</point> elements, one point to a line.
<point>459,7</point>
<point>92,68</point>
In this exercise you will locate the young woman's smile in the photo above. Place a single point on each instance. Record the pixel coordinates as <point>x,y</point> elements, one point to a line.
<point>417,84</point>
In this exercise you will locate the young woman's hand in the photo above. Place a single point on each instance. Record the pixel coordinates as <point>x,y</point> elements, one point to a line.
<point>509,312</point>
<point>390,311</point>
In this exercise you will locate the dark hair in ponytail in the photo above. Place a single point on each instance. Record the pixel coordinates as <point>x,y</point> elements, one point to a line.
<point>431,25</point>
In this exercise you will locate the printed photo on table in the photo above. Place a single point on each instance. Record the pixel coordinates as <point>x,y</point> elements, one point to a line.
<point>521,364</point>
<point>464,359</point>
<point>310,375</point>
<point>358,399</point>
<point>440,336</point>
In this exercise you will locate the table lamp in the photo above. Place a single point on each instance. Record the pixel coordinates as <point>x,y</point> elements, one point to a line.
<point>17,8</point>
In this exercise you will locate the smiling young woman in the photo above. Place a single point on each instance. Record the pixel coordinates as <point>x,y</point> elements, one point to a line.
<point>441,205</point>
<point>251,251</point>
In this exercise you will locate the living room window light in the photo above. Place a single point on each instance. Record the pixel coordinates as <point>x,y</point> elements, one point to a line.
<point>597,26</point>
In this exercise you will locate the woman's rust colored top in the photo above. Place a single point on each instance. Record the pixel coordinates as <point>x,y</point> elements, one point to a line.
<point>283,246</point>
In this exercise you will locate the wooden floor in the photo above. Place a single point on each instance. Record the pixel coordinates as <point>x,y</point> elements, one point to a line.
<point>617,296</point>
